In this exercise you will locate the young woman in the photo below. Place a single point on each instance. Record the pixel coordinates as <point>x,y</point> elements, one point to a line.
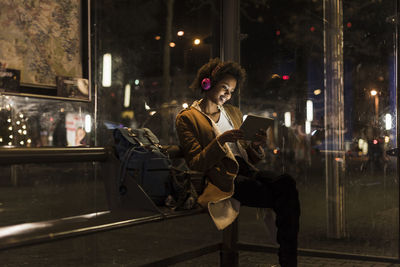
<point>212,143</point>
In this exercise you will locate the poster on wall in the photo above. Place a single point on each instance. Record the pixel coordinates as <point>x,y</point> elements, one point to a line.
<point>78,127</point>
<point>42,39</point>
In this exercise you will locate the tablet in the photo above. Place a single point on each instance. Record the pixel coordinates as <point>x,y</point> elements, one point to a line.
<point>252,124</point>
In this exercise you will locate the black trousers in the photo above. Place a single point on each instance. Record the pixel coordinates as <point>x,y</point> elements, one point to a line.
<point>264,189</point>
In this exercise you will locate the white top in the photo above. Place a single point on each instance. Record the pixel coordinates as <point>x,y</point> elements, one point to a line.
<point>224,125</point>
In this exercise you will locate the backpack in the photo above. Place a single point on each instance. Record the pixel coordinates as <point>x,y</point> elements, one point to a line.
<point>143,158</point>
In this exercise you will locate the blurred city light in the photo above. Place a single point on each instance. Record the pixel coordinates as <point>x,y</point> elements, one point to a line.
<point>308,127</point>
<point>185,105</point>
<point>288,119</point>
<point>196,41</point>
<point>374,92</point>
<point>360,143</point>
<point>310,111</point>
<point>157,37</point>
<point>387,139</point>
<point>146,107</point>
<point>152,113</point>
<point>172,44</point>
<point>88,123</point>
<point>365,148</point>
<point>317,91</point>
<point>106,70</point>
<point>388,121</point>
<point>127,97</point>
<point>137,82</point>
<point>180,33</point>
<point>285,77</point>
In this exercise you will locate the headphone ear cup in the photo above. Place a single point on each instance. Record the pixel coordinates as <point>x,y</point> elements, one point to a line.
<point>206,84</point>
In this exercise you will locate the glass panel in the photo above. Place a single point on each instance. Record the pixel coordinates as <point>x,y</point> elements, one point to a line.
<point>33,122</point>
<point>330,137</point>
<point>37,192</point>
<point>155,49</point>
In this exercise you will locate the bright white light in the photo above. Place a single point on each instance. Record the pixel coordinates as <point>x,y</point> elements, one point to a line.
<point>310,111</point>
<point>127,98</point>
<point>365,148</point>
<point>22,143</point>
<point>136,82</point>
<point>308,127</point>
<point>106,70</point>
<point>10,136</point>
<point>373,92</point>
<point>1,139</point>
<point>146,107</point>
<point>388,121</point>
<point>387,139</point>
<point>360,143</point>
<point>152,113</point>
<point>10,128</point>
<point>23,126</point>
<point>185,105</point>
<point>180,33</point>
<point>20,131</point>
<point>8,120</point>
<point>18,122</point>
<point>314,132</point>
<point>244,117</point>
<point>288,119</point>
<point>196,41</point>
<point>24,132</point>
<point>29,141</point>
<point>21,116</point>
<point>88,123</point>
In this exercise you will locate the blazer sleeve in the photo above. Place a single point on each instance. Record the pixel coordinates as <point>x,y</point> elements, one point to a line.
<point>197,157</point>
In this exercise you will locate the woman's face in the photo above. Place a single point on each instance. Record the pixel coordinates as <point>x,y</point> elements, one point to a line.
<point>222,91</point>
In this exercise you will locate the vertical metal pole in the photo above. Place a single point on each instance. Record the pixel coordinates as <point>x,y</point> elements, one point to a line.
<point>230,50</point>
<point>229,255</point>
<point>334,118</point>
<point>230,36</point>
<point>397,76</point>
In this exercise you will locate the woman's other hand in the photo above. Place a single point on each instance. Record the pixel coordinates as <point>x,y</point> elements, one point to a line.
<point>230,136</point>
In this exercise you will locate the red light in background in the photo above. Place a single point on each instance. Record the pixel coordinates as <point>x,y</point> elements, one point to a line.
<point>51,119</point>
<point>312,29</point>
<point>285,77</point>
<point>278,32</point>
<point>375,141</point>
<point>349,25</point>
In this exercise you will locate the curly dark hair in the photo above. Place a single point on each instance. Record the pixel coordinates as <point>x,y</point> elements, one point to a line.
<point>216,70</point>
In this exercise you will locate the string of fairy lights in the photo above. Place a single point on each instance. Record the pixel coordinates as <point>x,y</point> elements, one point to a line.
<point>16,132</point>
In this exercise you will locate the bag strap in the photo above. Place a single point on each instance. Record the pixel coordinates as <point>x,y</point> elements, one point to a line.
<point>134,136</point>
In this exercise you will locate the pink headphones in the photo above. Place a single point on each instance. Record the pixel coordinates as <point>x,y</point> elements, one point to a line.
<point>206,82</point>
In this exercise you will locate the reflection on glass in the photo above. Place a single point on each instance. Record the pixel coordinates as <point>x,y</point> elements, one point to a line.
<point>33,122</point>
<point>156,49</point>
<point>285,58</point>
